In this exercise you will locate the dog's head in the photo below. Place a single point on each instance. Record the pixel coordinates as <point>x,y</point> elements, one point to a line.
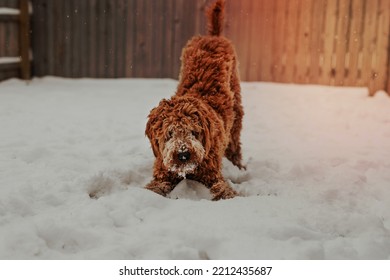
<point>180,131</point>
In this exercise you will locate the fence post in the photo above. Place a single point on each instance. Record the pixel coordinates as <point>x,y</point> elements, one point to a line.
<point>387,79</point>
<point>24,34</point>
<point>388,73</point>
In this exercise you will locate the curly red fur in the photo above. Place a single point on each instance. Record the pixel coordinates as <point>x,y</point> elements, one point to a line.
<point>202,122</point>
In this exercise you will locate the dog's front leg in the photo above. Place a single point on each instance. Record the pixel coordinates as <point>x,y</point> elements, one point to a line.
<point>163,181</point>
<point>214,181</point>
<point>222,190</point>
<point>160,187</point>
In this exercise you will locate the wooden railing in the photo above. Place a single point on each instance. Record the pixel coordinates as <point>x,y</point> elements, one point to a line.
<point>15,40</point>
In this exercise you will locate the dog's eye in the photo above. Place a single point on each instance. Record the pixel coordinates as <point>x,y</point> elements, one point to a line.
<point>169,135</point>
<point>195,134</point>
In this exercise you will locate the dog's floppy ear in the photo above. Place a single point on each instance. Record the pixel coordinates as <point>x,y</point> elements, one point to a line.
<point>211,126</point>
<point>154,125</point>
<point>207,127</point>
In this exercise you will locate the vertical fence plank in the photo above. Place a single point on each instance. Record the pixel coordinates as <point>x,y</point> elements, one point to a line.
<point>158,39</point>
<point>316,40</point>
<point>92,37</point>
<point>330,26</point>
<point>59,18</point>
<point>109,44</point>
<point>200,19</point>
<point>381,50</point>
<point>167,35</point>
<point>253,35</point>
<point>101,15</point>
<point>120,39</point>
<point>232,29</point>
<point>13,43</point>
<point>80,45</point>
<point>84,40</point>
<point>387,76</point>
<point>266,41</point>
<point>341,41</point>
<point>25,40</point>
<point>58,38</point>
<point>49,30</point>
<point>256,55</point>
<point>304,35</point>
<point>138,51</point>
<point>149,67</point>
<point>254,29</point>
<point>3,39</point>
<point>184,29</point>
<point>37,40</point>
<point>130,33</point>
<point>291,40</point>
<point>278,43</point>
<point>76,19</point>
<point>369,40</point>
<point>355,42</point>
<point>174,62</point>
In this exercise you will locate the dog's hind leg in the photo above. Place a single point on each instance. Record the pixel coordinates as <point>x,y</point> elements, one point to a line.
<point>233,151</point>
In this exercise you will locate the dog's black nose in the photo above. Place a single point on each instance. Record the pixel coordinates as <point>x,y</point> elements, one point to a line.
<point>184,156</point>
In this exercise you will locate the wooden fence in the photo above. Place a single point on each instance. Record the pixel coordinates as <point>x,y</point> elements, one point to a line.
<point>330,42</point>
<point>105,38</point>
<point>14,39</point>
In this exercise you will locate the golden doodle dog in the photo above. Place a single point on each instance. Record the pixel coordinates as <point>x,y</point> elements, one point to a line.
<point>201,123</point>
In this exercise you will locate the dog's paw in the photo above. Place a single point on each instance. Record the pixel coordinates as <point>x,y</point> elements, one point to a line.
<point>222,190</point>
<point>161,188</point>
<point>242,167</point>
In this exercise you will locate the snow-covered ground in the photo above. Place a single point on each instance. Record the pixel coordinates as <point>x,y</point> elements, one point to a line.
<point>317,184</point>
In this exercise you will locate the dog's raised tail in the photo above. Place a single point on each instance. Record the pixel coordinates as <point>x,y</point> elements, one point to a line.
<point>215,15</point>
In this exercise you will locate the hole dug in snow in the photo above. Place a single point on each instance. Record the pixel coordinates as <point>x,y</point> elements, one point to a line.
<point>100,185</point>
<point>108,182</point>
